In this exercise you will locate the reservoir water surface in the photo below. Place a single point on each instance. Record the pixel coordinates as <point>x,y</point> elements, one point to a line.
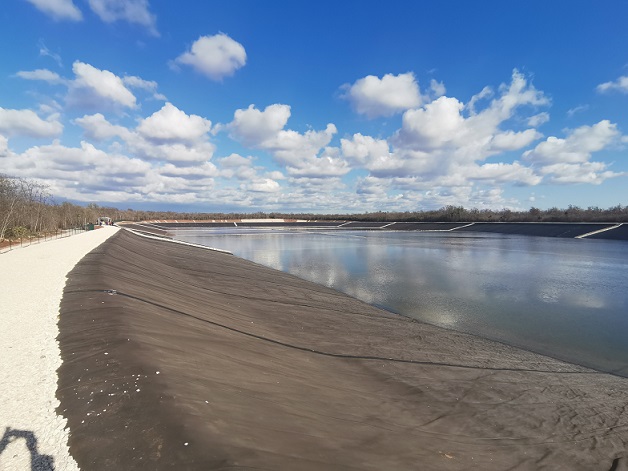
<point>567,298</point>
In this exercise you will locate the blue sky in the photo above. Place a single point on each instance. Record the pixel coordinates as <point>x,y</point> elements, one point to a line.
<point>320,106</point>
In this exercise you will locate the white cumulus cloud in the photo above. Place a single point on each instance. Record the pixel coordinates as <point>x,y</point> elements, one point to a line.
<point>265,185</point>
<point>439,153</point>
<point>432,126</point>
<point>97,128</point>
<point>364,151</point>
<point>538,119</point>
<point>303,154</point>
<point>87,173</point>
<point>168,135</point>
<point>28,123</point>
<point>375,97</point>
<point>132,11</point>
<point>146,85</point>
<point>235,161</point>
<point>215,56</point>
<point>138,82</point>
<point>93,87</point>
<point>58,9</point>
<point>254,127</point>
<point>568,160</point>
<point>587,172</point>
<point>443,126</point>
<point>511,140</point>
<point>172,124</point>
<point>576,147</point>
<point>437,89</point>
<point>195,172</point>
<point>502,172</point>
<point>238,167</point>
<point>44,75</point>
<point>619,85</point>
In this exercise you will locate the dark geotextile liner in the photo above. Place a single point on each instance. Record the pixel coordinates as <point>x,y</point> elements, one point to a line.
<point>176,357</point>
<point>539,229</point>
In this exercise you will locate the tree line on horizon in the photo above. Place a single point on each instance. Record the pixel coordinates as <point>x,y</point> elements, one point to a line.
<point>28,209</point>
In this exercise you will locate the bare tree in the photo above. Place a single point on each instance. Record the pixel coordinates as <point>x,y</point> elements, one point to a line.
<point>11,194</point>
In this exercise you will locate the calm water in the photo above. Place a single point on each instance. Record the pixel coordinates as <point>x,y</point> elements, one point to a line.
<point>563,297</point>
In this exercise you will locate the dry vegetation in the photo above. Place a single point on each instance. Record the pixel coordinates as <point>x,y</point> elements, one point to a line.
<point>27,209</point>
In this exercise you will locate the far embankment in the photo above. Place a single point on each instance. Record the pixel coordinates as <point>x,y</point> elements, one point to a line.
<point>605,231</point>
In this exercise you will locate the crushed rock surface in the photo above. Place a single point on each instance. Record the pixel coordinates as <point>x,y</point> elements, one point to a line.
<point>32,435</point>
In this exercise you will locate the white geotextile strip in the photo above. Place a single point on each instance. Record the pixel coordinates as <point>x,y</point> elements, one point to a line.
<point>31,286</point>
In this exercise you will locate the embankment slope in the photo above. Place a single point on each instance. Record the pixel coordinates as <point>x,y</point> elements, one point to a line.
<point>178,357</point>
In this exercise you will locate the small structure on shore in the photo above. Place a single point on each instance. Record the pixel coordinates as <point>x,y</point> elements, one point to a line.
<point>104,221</point>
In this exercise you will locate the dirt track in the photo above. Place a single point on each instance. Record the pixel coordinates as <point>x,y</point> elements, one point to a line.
<point>177,357</point>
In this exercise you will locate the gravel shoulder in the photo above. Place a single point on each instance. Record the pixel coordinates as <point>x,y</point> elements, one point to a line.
<point>32,435</point>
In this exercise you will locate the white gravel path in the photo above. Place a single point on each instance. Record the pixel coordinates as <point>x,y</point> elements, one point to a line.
<point>32,435</point>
